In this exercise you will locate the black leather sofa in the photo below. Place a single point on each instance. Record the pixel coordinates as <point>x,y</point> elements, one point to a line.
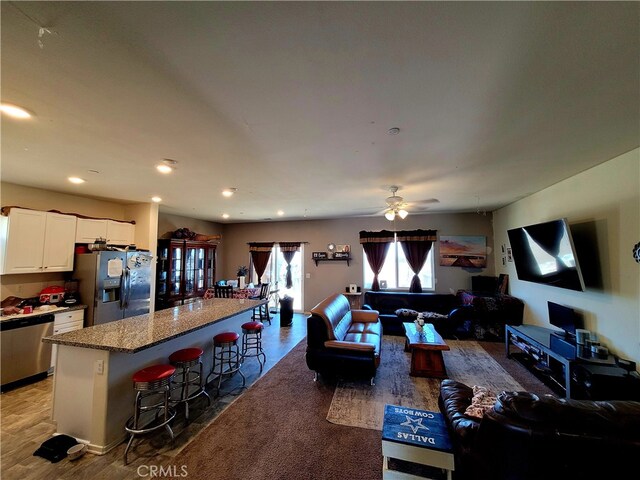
<point>530,437</point>
<point>387,303</point>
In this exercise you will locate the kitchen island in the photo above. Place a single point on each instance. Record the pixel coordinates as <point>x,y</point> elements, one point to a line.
<point>93,393</point>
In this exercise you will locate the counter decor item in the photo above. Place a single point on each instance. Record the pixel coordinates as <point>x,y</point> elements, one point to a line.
<point>419,321</point>
<point>241,274</point>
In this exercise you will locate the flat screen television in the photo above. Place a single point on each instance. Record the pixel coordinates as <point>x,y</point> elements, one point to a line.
<point>564,318</point>
<point>545,253</point>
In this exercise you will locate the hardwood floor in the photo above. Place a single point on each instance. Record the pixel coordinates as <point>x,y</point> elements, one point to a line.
<point>25,422</point>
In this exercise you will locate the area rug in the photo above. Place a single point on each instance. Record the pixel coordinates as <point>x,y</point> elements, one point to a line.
<point>277,430</point>
<point>357,404</point>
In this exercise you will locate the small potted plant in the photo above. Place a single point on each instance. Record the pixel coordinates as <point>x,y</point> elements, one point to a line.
<point>242,273</point>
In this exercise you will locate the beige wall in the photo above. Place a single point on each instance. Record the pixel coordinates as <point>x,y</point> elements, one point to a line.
<point>38,199</point>
<point>605,199</point>
<point>328,278</point>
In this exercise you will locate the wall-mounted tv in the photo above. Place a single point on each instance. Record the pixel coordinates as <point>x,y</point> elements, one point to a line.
<point>544,253</point>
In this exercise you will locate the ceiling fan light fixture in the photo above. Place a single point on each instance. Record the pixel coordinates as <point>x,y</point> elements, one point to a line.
<point>402,213</point>
<point>390,215</point>
<point>167,166</point>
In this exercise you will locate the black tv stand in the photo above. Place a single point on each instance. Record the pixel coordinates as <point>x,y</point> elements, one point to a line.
<point>569,369</point>
<point>534,344</point>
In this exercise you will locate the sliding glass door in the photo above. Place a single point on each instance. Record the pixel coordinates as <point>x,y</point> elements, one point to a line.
<point>276,274</point>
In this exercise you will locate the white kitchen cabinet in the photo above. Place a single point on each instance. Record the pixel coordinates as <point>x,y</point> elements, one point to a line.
<point>120,233</point>
<point>116,233</point>
<point>35,242</point>
<point>65,322</point>
<point>88,229</point>
<point>59,243</point>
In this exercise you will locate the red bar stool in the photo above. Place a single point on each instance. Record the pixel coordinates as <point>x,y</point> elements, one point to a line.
<point>185,360</point>
<point>252,342</point>
<point>148,382</point>
<point>223,354</point>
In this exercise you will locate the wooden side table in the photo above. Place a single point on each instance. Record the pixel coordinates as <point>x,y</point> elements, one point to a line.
<point>426,351</point>
<point>415,445</point>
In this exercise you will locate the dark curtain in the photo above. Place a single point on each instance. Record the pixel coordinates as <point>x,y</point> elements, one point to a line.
<point>260,253</point>
<point>376,246</point>
<point>289,250</point>
<point>416,245</point>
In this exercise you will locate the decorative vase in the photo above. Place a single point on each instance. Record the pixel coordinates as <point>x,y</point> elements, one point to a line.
<point>241,283</point>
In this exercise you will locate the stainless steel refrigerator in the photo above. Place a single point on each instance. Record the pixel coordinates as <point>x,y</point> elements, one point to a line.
<point>113,284</point>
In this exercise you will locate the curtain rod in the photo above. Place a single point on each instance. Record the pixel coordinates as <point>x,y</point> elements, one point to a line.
<point>283,241</point>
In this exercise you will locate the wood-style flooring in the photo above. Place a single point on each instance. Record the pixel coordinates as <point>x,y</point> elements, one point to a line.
<point>25,422</point>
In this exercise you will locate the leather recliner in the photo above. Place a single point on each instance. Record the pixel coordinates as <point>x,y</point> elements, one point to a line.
<point>343,341</point>
<point>531,437</point>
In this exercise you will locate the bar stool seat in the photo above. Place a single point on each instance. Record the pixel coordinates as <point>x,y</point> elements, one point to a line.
<point>185,360</point>
<point>151,381</point>
<point>223,343</point>
<point>252,342</point>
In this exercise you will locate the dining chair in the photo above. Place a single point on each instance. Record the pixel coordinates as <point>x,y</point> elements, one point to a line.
<point>261,313</point>
<point>223,291</point>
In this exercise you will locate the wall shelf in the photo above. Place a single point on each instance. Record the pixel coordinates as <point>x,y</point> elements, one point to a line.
<point>332,260</point>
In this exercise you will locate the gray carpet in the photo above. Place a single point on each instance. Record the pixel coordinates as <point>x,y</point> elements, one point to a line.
<point>357,404</point>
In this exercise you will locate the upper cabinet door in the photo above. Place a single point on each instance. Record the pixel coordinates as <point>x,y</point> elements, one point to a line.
<point>88,229</point>
<point>59,238</point>
<point>120,233</point>
<point>23,237</point>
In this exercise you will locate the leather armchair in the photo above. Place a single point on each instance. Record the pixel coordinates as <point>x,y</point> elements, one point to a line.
<point>531,437</point>
<point>341,340</point>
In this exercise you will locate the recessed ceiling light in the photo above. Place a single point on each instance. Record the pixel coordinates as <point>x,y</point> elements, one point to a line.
<point>227,192</point>
<point>76,180</point>
<point>280,213</point>
<point>393,131</point>
<point>156,199</point>
<point>167,165</point>
<point>14,111</point>
<point>225,215</point>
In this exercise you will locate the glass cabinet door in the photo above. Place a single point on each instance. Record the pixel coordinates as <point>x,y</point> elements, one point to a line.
<point>190,271</point>
<point>210,272</point>
<point>161,271</point>
<point>176,269</point>
<point>200,257</point>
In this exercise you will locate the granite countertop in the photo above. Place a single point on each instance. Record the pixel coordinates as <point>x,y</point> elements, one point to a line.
<point>43,310</point>
<point>134,334</point>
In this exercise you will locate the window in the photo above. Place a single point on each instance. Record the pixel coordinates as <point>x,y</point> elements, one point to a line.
<point>396,271</point>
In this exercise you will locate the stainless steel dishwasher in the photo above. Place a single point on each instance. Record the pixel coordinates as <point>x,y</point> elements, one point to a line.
<point>23,354</point>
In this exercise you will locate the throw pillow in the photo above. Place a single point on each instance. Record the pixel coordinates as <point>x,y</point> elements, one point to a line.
<point>406,312</point>
<point>433,315</point>
<point>483,400</point>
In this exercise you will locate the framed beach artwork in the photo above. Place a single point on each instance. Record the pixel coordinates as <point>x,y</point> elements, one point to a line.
<point>463,251</point>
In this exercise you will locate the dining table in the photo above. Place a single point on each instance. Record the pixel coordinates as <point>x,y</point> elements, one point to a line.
<point>247,292</point>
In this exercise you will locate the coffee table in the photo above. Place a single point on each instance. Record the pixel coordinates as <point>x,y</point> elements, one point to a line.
<point>426,351</point>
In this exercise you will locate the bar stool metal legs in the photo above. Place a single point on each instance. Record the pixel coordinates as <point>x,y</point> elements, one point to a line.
<point>190,381</point>
<point>226,352</point>
<point>252,342</point>
<point>149,382</point>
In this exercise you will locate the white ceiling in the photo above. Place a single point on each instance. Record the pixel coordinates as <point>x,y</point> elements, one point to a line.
<point>291,102</point>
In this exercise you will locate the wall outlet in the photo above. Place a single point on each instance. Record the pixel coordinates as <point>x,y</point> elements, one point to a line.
<point>99,367</point>
<point>308,275</point>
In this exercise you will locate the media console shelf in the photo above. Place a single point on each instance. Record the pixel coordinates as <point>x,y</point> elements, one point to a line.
<point>534,343</point>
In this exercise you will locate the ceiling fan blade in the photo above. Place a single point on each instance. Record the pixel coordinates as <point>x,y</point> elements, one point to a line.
<point>427,201</point>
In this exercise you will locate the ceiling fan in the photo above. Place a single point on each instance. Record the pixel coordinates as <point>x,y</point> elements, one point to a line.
<point>397,207</point>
